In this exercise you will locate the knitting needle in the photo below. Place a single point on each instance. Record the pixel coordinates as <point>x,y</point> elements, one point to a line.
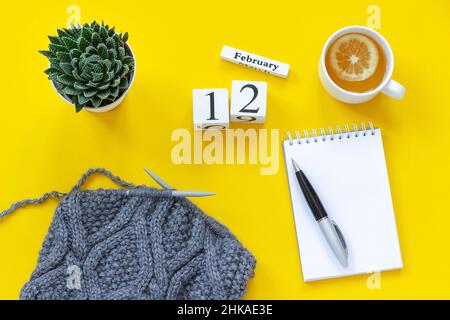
<point>158,180</point>
<point>178,193</point>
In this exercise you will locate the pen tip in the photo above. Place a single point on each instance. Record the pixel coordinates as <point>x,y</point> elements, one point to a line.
<point>295,164</point>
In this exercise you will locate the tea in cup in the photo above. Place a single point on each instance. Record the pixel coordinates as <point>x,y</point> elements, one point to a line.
<point>356,64</point>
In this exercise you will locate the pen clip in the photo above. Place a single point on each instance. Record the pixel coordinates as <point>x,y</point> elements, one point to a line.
<point>341,236</point>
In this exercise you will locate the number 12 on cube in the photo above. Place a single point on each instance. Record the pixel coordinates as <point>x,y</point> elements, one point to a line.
<point>248,101</point>
<point>211,109</point>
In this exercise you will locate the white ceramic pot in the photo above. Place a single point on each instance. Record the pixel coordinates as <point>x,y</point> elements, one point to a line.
<point>388,86</point>
<point>112,105</point>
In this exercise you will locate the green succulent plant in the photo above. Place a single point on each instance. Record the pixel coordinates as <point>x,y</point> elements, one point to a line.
<point>89,64</point>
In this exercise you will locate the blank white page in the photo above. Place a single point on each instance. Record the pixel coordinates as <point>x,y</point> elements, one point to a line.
<point>351,180</point>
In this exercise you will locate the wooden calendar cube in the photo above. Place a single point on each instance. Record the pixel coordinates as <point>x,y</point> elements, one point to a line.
<point>248,101</point>
<point>210,109</point>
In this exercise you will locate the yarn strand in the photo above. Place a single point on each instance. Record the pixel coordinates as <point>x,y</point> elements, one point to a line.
<point>58,195</point>
<point>22,203</point>
<point>116,179</point>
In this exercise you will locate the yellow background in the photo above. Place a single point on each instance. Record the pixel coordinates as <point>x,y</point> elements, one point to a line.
<point>46,146</point>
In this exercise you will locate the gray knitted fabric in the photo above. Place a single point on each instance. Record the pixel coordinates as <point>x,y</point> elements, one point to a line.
<point>135,243</point>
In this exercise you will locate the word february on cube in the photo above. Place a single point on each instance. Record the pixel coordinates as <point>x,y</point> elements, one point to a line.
<point>248,101</point>
<point>210,108</point>
<point>254,61</point>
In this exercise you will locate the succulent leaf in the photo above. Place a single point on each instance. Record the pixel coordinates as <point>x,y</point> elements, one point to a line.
<point>92,59</point>
<point>70,43</point>
<point>112,31</point>
<point>115,82</point>
<point>128,60</point>
<point>57,48</point>
<point>96,67</point>
<point>75,63</point>
<point>73,33</point>
<point>92,84</point>
<point>123,83</point>
<point>115,92</point>
<point>61,33</point>
<point>77,77</point>
<point>104,94</point>
<point>102,51</point>
<point>86,33</point>
<point>82,99</point>
<point>46,53</point>
<point>82,44</point>
<point>96,102</point>
<point>103,33</point>
<point>87,75</point>
<point>96,39</point>
<point>78,106</point>
<point>120,53</point>
<point>55,40</point>
<point>66,80</point>
<point>71,90</point>
<point>116,38</point>
<point>53,77</point>
<point>50,71</point>
<point>104,86</point>
<point>64,56</point>
<point>124,71</point>
<point>91,50</point>
<point>97,76</point>
<point>88,93</point>
<point>75,53</point>
<point>66,68</point>
<point>119,65</point>
<point>109,76</point>
<point>110,43</point>
<point>80,85</point>
<point>112,54</point>
<point>106,65</point>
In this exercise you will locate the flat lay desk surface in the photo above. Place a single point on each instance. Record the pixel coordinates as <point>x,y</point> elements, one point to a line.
<point>46,146</point>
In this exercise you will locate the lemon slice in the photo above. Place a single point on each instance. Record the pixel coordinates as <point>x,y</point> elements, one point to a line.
<point>354,57</point>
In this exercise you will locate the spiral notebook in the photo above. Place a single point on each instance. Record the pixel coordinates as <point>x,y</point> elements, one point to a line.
<point>347,169</point>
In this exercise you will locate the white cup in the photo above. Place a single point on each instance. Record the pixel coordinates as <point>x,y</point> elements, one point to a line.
<point>387,86</point>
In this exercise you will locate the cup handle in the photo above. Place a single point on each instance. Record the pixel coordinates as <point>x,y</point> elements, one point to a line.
<point>394,90</point>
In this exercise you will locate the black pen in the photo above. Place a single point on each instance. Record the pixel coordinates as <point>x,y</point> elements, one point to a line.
<point>329,228</point>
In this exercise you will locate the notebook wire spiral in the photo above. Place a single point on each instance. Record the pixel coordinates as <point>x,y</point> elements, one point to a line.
<point>330,134</point>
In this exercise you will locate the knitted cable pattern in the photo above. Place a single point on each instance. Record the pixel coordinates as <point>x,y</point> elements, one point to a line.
<point>135,243</point>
